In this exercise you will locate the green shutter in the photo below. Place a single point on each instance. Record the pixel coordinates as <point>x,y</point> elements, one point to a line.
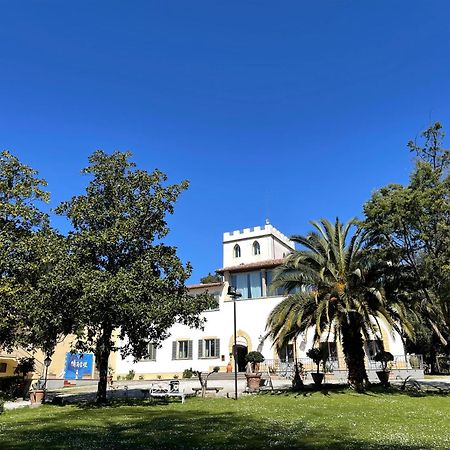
<point>200,348</point>
<point>217,348</point>
<point>189,350</point>
<point>174,350</point>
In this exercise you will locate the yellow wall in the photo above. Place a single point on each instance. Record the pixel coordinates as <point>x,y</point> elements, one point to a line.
<point>57,366</point>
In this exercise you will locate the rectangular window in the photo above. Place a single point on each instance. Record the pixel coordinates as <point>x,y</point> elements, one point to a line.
<point>182,349</point>
<point>331,349</point>
<point>286,353</point>
<point>3,367</point>
<point>151,353</point>
<point>270,291</point>
<point>209,348</point>
<point>215,305</point>
<point>249,284</point>
<point>373,347</point>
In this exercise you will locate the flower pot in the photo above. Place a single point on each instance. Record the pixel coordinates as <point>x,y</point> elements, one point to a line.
<point>253,381</point>
<point>383,376</point>
<point>317,377</point>
<point>229,367</point>
<point>37,397</point>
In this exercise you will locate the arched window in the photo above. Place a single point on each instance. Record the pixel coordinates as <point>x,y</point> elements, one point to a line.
<point>237,251</point>
<point>256,248</point>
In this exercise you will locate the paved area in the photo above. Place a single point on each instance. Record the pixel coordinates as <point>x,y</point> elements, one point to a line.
<point>134,389</point>
<point>16,404</point>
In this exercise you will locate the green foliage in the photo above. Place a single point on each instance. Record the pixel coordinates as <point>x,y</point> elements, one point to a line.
<point>340,290</point>
<point>35,309</point>
<point>187,373</point>
<point>410,228</point>
<point>254,357</point>
<point>25,366</point>
<point>317,355</point>
<point>126,277</point>
<point>211,278</point>
<point>130,375</point>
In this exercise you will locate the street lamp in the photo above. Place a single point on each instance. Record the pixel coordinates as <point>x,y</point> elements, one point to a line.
<point>234,294</point>
<point>47,362</point>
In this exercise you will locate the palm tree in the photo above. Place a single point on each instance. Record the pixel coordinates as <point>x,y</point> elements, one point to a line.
<point>339,290</point>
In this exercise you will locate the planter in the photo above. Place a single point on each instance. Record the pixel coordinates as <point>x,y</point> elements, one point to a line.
<point>383,376</point>
<point>317,377</point>
<point>37,397</point>
<point>253,381</point>
<point>229,367</point>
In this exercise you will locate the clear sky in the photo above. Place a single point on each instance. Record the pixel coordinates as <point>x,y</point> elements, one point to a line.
<point>287,110</point>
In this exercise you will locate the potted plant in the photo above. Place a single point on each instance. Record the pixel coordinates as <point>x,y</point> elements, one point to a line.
<point>24,367</point>
<point>253,375</point>
<point>384,358</point>
<point>317,355</point>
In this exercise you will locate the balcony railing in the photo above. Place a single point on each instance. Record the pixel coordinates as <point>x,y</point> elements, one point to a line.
<point>285,368</point>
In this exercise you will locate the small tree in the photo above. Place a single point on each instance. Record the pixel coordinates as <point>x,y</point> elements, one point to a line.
<point>254,358</point>
<point>317,355</point>
<point>384,358</point>
<point>204,378</point>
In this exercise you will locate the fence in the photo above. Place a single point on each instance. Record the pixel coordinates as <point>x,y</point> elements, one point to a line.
<point>286,368</point>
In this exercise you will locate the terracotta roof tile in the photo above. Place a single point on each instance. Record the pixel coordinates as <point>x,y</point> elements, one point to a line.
<point>205,285</point>
<point>250,266</point>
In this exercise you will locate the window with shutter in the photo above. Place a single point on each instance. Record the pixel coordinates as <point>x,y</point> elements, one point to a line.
<point>209,348</point>
<point>151,353</point>
<point>182,349</point>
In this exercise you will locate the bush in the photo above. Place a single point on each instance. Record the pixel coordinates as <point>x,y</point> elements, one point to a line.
<point>254,358</point>
<point>12,387</point>
<point>384,358</point>
<point>130,375</point>
<point>187,373</point>
<point>24,366</point>
<point>317,355</point>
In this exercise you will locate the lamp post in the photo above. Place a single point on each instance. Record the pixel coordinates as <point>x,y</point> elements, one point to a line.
<point>234,295</point>
<point>47,362</point>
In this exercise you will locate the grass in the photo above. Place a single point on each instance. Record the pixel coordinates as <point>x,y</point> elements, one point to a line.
<point>338,420</point>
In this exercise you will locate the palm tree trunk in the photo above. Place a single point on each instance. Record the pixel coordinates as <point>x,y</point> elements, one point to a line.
<point>353,346</point>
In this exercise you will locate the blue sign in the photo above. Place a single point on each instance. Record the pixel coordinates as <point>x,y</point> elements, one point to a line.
<point>78,364</point>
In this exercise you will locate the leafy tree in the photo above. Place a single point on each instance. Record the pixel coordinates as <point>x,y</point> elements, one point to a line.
<point>339,289</point>
<point>20,222</point>
<point>211,278</point>
<point>34,311</point>
<point>410,227</point>
<point>128,279</point>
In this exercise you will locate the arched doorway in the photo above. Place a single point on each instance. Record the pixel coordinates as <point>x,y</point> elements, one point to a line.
<point>241,353</point>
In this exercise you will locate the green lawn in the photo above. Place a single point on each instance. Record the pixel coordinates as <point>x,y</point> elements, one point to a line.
<point>337,420</point>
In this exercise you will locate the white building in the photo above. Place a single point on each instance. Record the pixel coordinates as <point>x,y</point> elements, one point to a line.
<point>249,257</point>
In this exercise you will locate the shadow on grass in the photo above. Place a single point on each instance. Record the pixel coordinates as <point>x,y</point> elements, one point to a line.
<point>138,425</point>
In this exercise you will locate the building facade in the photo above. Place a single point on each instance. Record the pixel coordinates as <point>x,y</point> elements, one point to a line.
<point>249,259</point>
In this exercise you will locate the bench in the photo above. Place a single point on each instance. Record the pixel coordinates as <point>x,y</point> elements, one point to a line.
<point>165,390</point>
<point>208,389</point>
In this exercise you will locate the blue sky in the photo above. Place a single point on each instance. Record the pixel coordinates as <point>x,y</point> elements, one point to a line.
<point>288,110</point>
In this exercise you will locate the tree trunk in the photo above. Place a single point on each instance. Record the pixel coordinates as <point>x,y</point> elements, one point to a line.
<point>102,355</point>
<point>353,346</point>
